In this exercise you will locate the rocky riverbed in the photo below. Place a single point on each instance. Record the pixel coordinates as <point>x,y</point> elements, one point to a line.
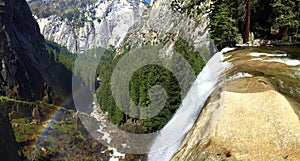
<point>255,115</point>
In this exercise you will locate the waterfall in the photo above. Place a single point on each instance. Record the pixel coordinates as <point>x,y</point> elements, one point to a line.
<point>171,136</point>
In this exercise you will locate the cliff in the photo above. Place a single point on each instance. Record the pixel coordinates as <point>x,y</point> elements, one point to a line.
<point>28,71</point>
<point>27,68</point>
<point>81,26</point>
<point>169,21</point>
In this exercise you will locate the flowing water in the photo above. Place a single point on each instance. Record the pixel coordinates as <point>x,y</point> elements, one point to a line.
<point>280,66</point>
<point>171,136</point>
<point>255,108</point>
<point>266,62</point>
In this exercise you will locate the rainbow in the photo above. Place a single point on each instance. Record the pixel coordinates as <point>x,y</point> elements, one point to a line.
<point>42,132</point>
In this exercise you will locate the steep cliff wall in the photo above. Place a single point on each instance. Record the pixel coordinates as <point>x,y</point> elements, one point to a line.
<point>28,71</point>
<point>27,68</point>
<point>85,26</point>
<point>168,21</point>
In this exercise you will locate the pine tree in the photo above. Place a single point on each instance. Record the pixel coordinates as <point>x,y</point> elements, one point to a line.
<point>223,26</point>
<point>297,10</point>
<point>247,30</point>
<point>284,15</point>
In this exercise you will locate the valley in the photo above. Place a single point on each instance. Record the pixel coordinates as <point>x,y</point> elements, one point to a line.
<point>130,80</point>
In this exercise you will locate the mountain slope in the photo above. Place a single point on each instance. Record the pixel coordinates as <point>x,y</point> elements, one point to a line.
<point>83,25</point>
<point>26,61</point>
<point>170,21</point>
<point>28,71</point>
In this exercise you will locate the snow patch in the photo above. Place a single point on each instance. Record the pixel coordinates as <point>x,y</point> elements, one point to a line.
<point>106,136</point>
<point>259,59</point>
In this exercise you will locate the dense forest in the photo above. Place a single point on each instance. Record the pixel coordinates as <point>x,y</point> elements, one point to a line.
<point>231,23</point>
<point>233,20</point>
<point>61,54</point>
<point>141,82</point>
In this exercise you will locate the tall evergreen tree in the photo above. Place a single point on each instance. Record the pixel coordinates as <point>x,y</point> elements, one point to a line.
<point>297,10</point>
<point>247,30</point>
<point>284,15</point>
<point>223,30</point>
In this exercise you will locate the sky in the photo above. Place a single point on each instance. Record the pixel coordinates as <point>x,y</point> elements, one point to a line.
<point>148,1</point>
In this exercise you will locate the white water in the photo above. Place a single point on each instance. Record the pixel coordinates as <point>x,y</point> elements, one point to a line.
<point>288,62</point>
<point>254,54</point>
<point>172,135</point>
<point>283,60</point>
<point>240,75</point>
<point>115,155</point>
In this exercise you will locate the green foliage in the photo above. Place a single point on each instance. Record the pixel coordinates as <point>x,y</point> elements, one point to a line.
<point>104,95</point>
<point>61,54</point>
<point>223,26</point>
<point>191,55</point>
<point>63,127</point>
<point>80,136</point>
<point>228,18</point>
<point>8,99</point>
<point>141,82</point>
<point>53,143</point>
<point>21,121</point>
<point>24,131</point>
<point>284,14</point>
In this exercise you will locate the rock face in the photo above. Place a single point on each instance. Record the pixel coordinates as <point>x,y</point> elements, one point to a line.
<point>168,21</point>
<point>17,40</point>
<point>247,118</point>
<point>246,126</point>
<point>103,23</point>
<point>27,72</point>
<point>27,68</point>
<point>8,147</point>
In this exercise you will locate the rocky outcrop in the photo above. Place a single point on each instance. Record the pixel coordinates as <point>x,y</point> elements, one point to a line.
<point>8,146</point>
<point>27,68</point>
<point>17,40</point>
<point>250,117</point>
<point>168,21</point>
<point>105,23</point>
<point>28,71</point>
<point>240,126</point>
